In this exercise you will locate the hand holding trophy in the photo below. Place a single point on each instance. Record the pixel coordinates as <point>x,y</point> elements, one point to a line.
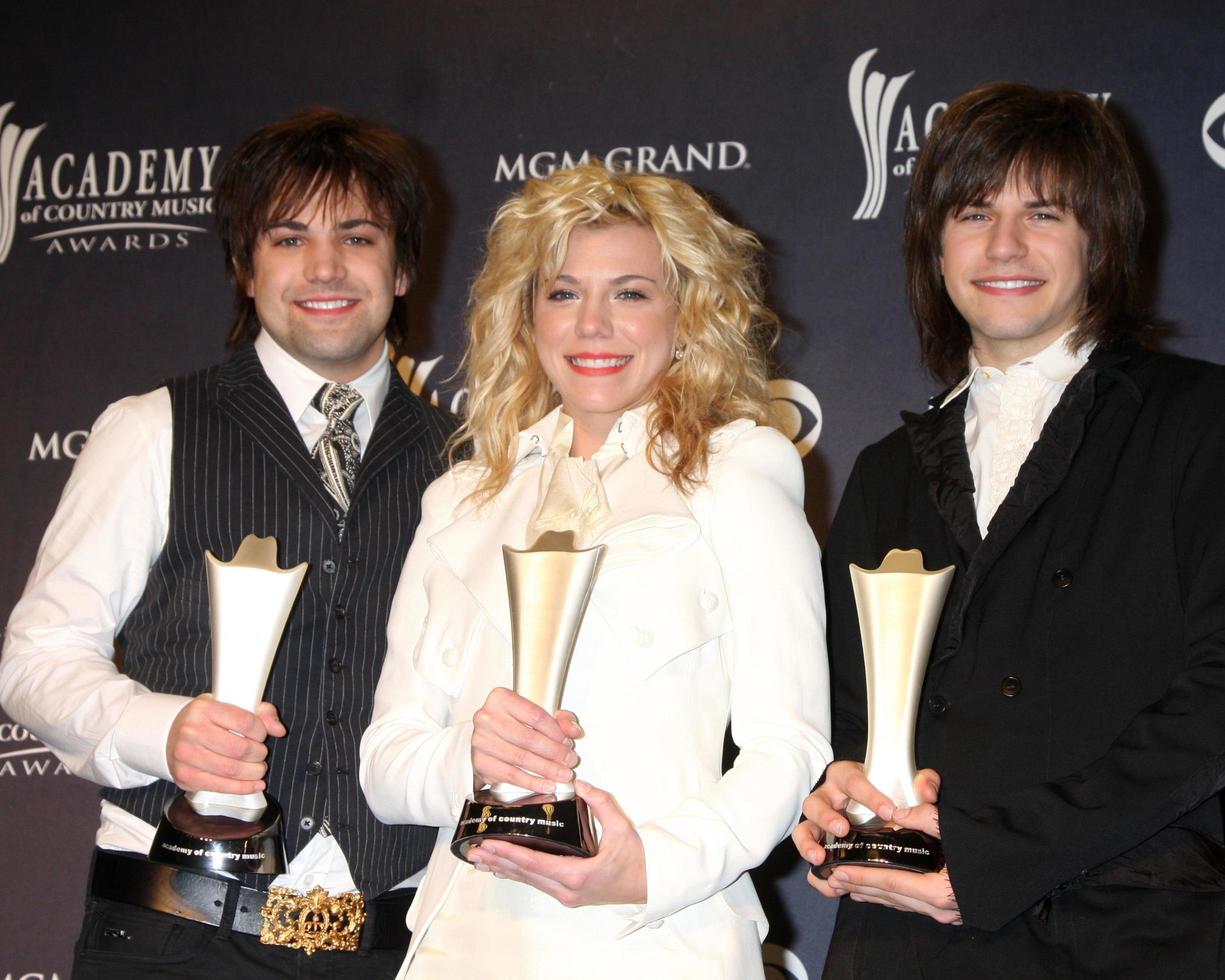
<point>549,586</point>
<point>250,599</point>
<point>899,607</point>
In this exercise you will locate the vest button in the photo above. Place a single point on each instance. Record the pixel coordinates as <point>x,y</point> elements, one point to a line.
<point>340,612</point>
<point>1010,686</point>
<point>937,704</point>
<point>335,666</point>
<point>331,717</point>
<point>314,769</point>
<point>1062,578</point>
<point>329,566</point>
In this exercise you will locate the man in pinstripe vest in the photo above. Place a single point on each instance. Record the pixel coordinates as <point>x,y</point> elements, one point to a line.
<point>321,216</point>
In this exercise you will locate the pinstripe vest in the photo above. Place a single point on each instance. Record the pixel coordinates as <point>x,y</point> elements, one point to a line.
<point>240,467</point>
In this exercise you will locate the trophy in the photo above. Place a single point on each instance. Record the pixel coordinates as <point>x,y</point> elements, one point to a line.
<point>899,608</point>
<point>550,585</point>
<point>249,603</point>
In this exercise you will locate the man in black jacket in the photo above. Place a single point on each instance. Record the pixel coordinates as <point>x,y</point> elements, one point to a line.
<point>306,434</point>
<point>1072,721</point>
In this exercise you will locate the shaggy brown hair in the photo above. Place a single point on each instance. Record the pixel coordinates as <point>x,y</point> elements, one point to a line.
<point>318,152</point>
<point>1071,152</point>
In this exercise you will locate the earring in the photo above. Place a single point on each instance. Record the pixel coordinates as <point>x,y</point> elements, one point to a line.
<point>678,353</point>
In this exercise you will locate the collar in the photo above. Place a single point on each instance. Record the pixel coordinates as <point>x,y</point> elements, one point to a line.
<point>1056,363</point>
<point>629,435</point>
<point>297,384</point>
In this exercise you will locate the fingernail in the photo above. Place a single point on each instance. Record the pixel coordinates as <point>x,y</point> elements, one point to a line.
<point>572,760</point>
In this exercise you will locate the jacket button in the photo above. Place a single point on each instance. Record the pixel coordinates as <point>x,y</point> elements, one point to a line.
<point>335,666</point>
<point>710,601</point>
<point>329,566</point>
<point>450,656</point>
<point>314,769</point>
<point>642,637</point>
<point>340,612</point>
<point>937,704</point>
<point>307,823</point>
<point>1010,686</point>
<point>1062,578</point>
<point>331,717</point>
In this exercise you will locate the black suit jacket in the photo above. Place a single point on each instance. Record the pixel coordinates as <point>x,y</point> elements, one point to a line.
<point>1074,703</point>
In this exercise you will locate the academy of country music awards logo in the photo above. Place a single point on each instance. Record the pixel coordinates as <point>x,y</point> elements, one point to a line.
<point>76,202</point>
<point>1213,131</point>
<point>891,150</point>
<point>29,975</point>
<point>21,754</point>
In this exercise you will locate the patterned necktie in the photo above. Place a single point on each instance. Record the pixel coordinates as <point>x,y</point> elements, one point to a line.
<point>338,450</point>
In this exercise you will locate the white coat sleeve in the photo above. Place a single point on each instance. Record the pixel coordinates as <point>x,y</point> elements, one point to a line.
<point>752,510</point>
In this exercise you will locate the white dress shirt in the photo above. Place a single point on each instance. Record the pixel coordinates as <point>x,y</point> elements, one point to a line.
<point>1005,413</point>
<point>58,676</point>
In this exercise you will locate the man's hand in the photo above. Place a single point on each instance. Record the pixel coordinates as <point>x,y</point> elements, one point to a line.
<point>615,876</point>
<point>516,741</point>
<point>928,894</point>
<point>823,809</point>
<point>220,747</point>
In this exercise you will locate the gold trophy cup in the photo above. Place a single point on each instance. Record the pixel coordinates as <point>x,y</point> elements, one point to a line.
<point>899,609</point>
<point>549,585</point>
<point>250,599</point>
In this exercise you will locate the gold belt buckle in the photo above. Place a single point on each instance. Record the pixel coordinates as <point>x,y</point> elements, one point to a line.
<point>313,921</point>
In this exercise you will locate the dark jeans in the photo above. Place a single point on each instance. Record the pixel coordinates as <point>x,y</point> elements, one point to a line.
<point>126,942</point>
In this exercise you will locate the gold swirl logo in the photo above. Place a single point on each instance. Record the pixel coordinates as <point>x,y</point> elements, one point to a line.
<point>484,824</point>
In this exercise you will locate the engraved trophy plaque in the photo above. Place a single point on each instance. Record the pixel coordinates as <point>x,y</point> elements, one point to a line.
<point>549,585</point>
<point>249,603</point>
<point>899,609</point>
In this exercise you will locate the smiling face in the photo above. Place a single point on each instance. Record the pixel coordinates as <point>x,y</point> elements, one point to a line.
<point>1016,268</point>
<point>323,282</point>
<point>605,327</point>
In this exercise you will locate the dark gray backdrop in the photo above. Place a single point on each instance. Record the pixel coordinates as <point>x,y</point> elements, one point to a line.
<point>753,99</point>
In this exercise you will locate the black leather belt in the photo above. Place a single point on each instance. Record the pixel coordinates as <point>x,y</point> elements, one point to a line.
<point>120,877</point>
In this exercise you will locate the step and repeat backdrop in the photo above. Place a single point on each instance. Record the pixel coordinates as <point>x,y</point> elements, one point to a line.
<point>801,118</point>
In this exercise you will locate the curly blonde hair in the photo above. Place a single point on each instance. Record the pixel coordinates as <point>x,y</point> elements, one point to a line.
<point>712,270</point>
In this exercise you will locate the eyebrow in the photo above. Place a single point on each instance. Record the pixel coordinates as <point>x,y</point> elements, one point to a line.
<point>1034,202</point>
<point>347,225</point>
<point>619,280</point>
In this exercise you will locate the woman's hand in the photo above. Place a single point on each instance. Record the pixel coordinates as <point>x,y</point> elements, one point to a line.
<point>518,742</point>
<point>617,875</point>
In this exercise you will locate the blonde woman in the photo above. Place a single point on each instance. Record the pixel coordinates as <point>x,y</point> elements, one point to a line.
<point>617,348</point>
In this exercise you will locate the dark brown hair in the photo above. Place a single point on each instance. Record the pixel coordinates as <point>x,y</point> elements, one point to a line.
<point>278,169</point>
<point>1071,152</point>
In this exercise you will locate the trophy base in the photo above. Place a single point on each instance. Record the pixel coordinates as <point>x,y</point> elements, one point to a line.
<point>187,839</point>
<point>876,844</point>
<point>541,822</point>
